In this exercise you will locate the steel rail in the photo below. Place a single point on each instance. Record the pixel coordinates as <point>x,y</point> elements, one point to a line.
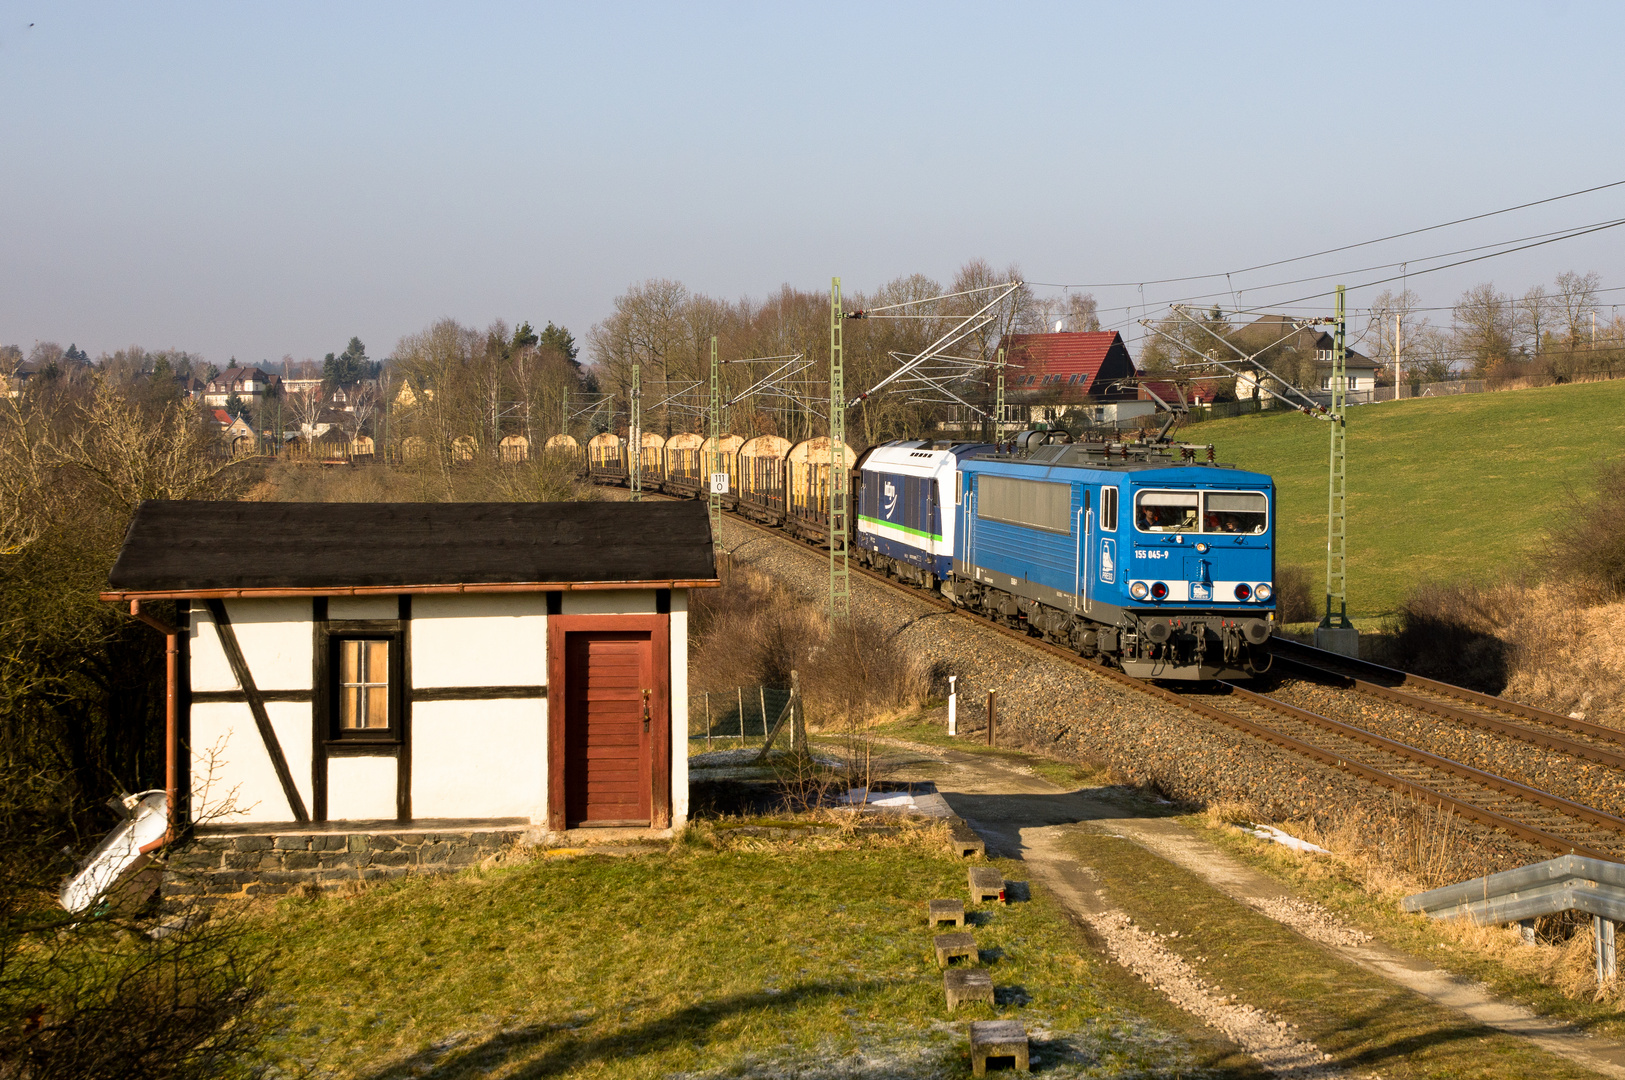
<point>1289,649</point>
<point>1470,811</point>
<point>1509,729</point>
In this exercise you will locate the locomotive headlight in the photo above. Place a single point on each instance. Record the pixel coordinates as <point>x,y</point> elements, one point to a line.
<point>1159,591</point>
<point>1139,590</point>
<point>1263,592</point>
<point>1201,549</point>
<point>1243,591</point>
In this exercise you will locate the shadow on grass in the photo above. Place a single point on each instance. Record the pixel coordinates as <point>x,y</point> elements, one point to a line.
<point>557,1051</point>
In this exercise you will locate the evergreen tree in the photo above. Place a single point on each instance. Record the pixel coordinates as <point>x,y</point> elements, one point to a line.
<point>557,337</point>
<point>523,335</point>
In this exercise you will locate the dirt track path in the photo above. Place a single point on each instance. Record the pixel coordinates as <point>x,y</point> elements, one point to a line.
<point>1022,816</point>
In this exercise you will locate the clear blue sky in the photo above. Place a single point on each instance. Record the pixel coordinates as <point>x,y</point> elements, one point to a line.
<point>255,180</point>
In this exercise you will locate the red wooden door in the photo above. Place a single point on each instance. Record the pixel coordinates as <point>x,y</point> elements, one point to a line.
<point>607,779</point>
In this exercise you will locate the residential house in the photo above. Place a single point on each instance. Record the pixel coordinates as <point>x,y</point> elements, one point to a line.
<point>248,384</point>
<point>1280,334</point>
<point>1047,373</point>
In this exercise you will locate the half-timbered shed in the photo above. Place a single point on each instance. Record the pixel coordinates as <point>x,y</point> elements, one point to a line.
<point>401,662</point>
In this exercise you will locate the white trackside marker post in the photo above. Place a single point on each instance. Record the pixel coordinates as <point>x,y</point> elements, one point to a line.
<point>953,707</point>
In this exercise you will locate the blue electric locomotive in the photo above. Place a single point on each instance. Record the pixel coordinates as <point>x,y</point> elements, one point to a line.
<point>1137,554</point>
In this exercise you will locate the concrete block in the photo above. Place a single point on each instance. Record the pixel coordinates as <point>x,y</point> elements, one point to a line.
<point>997,1039</point>
<point>941,911</point>
<point>950,946</point>
<point>966,844</point>
<point>1344,642</point>
<point>986,884</point>
<point>967,984</point>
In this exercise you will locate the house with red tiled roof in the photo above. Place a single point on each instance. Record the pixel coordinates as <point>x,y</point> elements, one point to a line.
<point>1067,367</point>
<point>1195,391</point>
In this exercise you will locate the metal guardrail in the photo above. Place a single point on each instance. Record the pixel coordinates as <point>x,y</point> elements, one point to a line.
<point>1568,883</point>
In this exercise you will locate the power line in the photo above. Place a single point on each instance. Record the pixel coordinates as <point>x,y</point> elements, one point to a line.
<point>1330,251</point>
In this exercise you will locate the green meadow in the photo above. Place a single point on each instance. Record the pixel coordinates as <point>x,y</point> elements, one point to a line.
<point>1438,488</point>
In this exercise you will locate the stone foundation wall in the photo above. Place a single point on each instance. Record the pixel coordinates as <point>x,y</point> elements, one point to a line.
<point>210,869</point>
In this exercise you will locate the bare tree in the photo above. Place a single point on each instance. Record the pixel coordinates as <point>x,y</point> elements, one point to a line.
<point>1576,300</point>
<point>306,406</point>
<point>1392,324</point>
<point>1484,327</point>
<point>1532,320</point>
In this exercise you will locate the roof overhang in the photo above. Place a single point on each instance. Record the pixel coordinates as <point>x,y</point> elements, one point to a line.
<point>118,596</point>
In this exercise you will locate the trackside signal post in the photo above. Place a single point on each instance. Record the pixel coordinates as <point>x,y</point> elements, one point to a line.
<point>1335,633</point>
<point>840,578</point>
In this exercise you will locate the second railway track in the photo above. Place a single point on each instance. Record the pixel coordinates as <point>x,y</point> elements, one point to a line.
<point>1537,816</point>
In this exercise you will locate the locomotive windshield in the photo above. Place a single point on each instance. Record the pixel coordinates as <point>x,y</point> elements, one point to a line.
<point>1233,512</point>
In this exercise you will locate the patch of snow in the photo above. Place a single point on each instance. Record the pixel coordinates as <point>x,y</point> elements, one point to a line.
<point>1271,833</point>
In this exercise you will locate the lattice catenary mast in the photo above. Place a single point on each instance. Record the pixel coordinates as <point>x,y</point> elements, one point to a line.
<point>840,578</point>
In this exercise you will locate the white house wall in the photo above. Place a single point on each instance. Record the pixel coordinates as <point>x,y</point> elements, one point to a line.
<point>609,602</point>
<point>361,788</point>
<point>232,776</point>
<point>678,644</point>
<point>470,759</point>
<point>479,640</point>
<point>479,759</point>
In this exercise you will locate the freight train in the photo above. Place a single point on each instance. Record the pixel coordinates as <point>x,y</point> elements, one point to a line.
<point>1142,555</point>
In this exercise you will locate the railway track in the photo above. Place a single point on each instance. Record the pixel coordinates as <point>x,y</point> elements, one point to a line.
<point>1529,813</point>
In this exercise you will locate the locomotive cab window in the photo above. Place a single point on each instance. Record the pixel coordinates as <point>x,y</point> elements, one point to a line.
<point>1108,509</point>
<point>1167,511</point>
<point>1235,512</point>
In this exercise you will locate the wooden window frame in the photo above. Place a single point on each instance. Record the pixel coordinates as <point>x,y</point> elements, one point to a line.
<point>660,748</point>
<point>391,737</point>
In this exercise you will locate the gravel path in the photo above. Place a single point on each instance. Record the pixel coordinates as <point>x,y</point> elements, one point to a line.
<point>1069,713</point>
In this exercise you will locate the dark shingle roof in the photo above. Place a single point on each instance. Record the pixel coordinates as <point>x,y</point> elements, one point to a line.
<point>187,548</point>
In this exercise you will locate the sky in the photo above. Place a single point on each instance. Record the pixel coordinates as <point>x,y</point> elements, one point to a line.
<point>254,181</point>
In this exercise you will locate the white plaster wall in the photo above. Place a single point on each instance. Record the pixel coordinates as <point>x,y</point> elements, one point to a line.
<point>205,659</point>
<point>363,607</point>
<point>679,708</point>
<point>274,635</point>
<point>479,640</point>
<point>232,775</point>
<point>609,602</point>
<point>479,759</point>
<point>362,788</point>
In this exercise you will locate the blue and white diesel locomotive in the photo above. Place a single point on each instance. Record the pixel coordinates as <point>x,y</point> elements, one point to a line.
<point>1132,553</point>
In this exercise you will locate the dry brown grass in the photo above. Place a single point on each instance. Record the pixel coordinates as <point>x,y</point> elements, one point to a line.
<point>1553,646</point>
<point>1409,847</point>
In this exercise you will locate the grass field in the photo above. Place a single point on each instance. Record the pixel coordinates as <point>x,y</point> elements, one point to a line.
<point>781,959</point>
<point>1438,488</point>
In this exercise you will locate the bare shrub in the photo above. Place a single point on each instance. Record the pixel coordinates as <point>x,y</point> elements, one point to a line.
<point>1294,595</point>
<point>752,631</point>
<point>1585,545</point>
<point>1455,632</point>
